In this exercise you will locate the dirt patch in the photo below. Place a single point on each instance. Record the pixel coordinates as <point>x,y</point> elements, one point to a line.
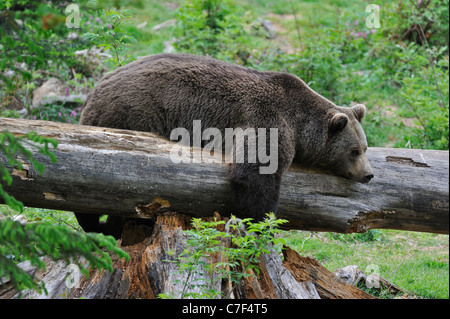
<point>171,5</point>
<point>282,34</point>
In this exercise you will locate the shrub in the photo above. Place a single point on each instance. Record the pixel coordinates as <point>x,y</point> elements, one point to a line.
<point>212,27</point>
<point>33,36</point>
<point>208,259</point>
<point>425,96</point>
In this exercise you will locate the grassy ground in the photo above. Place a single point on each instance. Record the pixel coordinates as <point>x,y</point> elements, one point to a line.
<point>418,263</point>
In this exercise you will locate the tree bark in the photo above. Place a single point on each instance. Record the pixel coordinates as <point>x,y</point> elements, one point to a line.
<point>130,174</point>
<point>148,273</point>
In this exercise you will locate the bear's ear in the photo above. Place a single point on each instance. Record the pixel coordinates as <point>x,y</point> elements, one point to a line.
<point>360,111</point>
<point>338,122</point>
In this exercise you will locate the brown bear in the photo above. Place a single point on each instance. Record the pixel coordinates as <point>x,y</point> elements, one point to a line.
<point>160,93</point>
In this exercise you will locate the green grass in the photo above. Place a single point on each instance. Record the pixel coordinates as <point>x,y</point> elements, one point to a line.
<point>153,13</point>
<point>418,263</point>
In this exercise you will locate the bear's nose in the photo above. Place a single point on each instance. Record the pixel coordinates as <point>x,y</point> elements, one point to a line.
<point>367,178</point>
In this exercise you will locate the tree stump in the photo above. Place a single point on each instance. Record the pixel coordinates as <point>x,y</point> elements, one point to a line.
<point>148,273</point>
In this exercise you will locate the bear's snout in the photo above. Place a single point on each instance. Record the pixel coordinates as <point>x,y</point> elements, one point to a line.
<point>367,178</point>
<point>365,173</point>
<point>364,179</point>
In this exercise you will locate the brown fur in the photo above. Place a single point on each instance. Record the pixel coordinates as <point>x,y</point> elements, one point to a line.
<point>161,92</point>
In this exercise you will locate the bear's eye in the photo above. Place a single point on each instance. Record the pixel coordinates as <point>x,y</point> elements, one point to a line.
<point>355,153</point>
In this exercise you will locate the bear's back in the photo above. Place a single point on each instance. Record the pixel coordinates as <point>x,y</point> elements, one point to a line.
<point>161,92</point>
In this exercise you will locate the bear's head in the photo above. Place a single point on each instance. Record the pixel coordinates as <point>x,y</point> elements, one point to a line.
<point>345,149</point>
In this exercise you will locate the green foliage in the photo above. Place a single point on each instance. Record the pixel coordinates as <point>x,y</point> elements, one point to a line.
<point>431,16</point>
<point>36,42</point>
<point>57,113</point>
<point>319,64</point>
<point>425,93</point>
<point>208,258</point>
<point>213,27</point>
<point>366,237</point>
<point>33,36</point>
<point>32,214</point>
<point>31,241</point>
<point>111,35</point>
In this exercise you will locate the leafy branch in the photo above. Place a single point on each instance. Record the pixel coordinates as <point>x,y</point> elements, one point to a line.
<point>34,240</point>
<point>212,255</point>
<point>431,58</point>
<point>112,36</point>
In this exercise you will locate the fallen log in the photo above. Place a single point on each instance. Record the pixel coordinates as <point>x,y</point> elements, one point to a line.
<point>148,274</point>
<point>130,174</point>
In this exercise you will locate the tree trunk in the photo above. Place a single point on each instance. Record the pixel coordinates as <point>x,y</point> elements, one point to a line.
<point>130,174</point>
<point>148,273</point>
